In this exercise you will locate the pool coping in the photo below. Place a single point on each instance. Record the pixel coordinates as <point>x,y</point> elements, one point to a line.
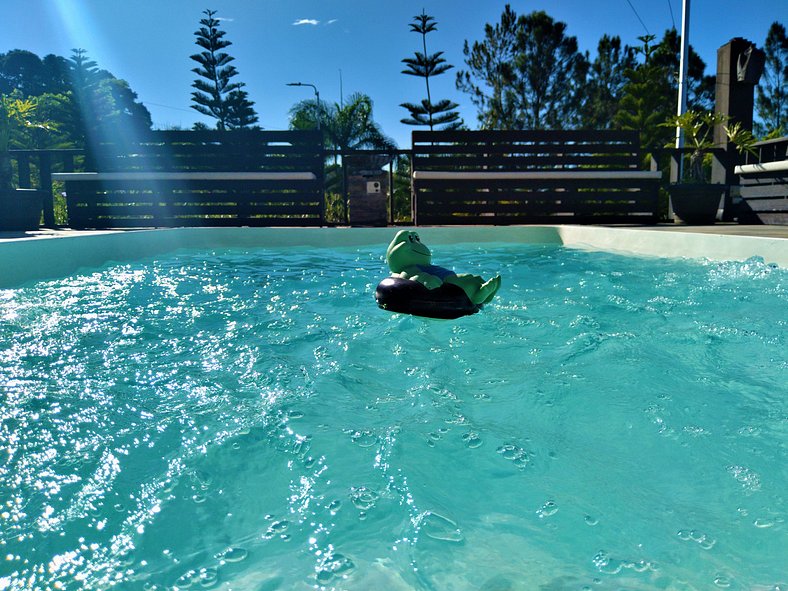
<point>58,254</point>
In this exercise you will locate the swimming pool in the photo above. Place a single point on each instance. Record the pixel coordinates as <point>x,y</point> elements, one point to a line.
<point>246,418</point>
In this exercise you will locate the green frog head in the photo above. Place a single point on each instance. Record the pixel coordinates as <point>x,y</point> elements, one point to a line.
<point>406,250</point>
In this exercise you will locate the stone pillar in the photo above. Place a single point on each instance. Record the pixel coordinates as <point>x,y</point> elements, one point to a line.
<point>739,67</point>
<point>367,189</point>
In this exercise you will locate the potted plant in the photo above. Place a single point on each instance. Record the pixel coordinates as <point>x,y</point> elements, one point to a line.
<point>695,200</point>
<point>20,209</point>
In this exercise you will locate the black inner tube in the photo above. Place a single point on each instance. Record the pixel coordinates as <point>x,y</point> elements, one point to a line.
<point>411,297</point>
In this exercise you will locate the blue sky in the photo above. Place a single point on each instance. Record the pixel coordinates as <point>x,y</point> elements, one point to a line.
<point>148,43</point>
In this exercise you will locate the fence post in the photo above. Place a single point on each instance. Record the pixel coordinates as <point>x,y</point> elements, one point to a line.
<point>45,183</point>
<point>23,170</point>
<point>391,190</point>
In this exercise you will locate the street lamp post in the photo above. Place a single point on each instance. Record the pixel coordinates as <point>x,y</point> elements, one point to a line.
<point>683,67</point>
<point>317,98</point>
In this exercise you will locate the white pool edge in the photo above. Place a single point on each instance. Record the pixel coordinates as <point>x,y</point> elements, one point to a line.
<point>36,258</point>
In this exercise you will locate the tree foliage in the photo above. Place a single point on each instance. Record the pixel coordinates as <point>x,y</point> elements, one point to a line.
<point>103,108</point>
<point>215,94</point>
<point>32,76</point>
<point>526,74</point>
<point>700,87</point>
<point>605,83</point>
<point>349,126</point>
<point>643,106</point>
<point>772,96</point>
<point>443,113</point>
<point>650,93</point>
<point>81,98</point>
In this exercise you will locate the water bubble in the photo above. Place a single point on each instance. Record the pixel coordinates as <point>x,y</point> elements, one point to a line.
<point>763,523</point>
<point>202,479</point>
<point>199,498</point>
<point>333,565</point>
<point>276,528</point>
<point>548,509</point>
<point>442,528</point>
<point>722,581</point>
<point>508,451</point>
<point>302,446</point>
<point>363,498</point>
<point>607,565</point>
<point>748,478</point>
<point>515,454</point>
<point>334,506</point>
<point>590,520</point>
<point>704,540</point>
<point>187,579</point>
<point>208,577</point>
<point>364,438</point>
<point>472,439</point>
<point>233,554</point>
<point>279,526</point>
<point>639,566</point>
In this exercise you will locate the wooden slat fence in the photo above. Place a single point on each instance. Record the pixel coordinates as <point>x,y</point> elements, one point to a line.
<point>536,176</point>
<point>199,178</point>
<point>763,184</point>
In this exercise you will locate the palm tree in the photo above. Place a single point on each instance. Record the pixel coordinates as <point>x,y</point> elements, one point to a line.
<point>349,126</point>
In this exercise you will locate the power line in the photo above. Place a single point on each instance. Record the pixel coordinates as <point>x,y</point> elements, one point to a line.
<point>168,107</point>
<point>670,7</point>
<point>637,15</point>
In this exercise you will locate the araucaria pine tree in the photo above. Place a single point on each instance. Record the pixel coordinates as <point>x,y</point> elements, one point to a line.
<point>441,114</point>
<point>215,94</point>
<point>772,97</point>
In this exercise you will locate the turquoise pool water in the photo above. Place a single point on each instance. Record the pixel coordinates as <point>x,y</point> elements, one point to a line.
<point>250,420</point>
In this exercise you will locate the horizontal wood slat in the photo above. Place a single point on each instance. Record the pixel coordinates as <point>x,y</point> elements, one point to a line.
<point>531,135</point>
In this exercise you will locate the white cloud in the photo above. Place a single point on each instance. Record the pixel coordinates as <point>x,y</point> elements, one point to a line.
<point>222,18</point>
<point>331,21</point>
<point>306,21</point>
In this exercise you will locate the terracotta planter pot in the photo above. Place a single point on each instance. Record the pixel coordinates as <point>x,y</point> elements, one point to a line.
<point>696,204</point>
<point>20,209</point>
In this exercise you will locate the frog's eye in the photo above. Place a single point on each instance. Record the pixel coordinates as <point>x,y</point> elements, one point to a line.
<point>412,238</point>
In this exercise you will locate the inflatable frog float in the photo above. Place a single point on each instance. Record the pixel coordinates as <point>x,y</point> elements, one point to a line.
<point>418,287</point>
